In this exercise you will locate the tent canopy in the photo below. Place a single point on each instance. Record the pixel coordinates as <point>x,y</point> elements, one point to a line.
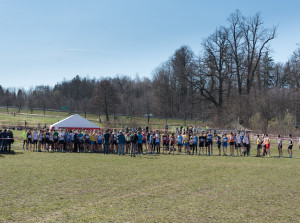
<point>74,122</point>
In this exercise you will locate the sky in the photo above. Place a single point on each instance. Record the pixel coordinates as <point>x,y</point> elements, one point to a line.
<point>43,42</point>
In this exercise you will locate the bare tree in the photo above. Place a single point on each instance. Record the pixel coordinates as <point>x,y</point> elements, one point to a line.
<point>20,100</point>
<point>236,42</point>
<point>217,60</point>
<point>105,98</point>
<point>257,38</point>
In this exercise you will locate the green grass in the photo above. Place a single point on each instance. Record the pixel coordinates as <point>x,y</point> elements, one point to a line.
<point>8,119</point>
<point>55,187</point>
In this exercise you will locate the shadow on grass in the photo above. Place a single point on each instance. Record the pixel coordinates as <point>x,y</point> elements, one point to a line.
<point>273,157</point>
<point>150,156</point>
<point>12,152</point>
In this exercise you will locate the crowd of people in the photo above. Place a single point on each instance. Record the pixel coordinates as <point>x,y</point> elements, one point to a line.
<point>6,140</point>
<point>144,141</point>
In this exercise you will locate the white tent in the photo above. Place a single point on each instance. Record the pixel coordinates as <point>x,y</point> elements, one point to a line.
<point>74,122</point>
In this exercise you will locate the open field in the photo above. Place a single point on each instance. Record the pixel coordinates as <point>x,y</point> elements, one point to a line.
<point>8,119</point>
<point>67,187</point>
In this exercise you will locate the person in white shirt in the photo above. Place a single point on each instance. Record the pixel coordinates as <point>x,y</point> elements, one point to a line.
<point>239,145</point>
<point>35,140</point>
<point>279,146</point>
<point>247,145</point>
<point>61,137</point>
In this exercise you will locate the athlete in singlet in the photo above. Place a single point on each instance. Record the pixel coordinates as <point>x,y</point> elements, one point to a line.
<point>157,142</point>
<point>290,147</point>
<point>40,145</point>
<point>179,142</point>
<point>35,140</point>
<point>239,145</point>
<point>231,144</point>
<point>99,141</point>
<point>268,143</point>
<point>195,147</point>
<point>225,141</point>
<point>172,143</point>
<point>144,141</point>
<point>94,142</point>
<point>202,140</point>
<point>279,140</point>
<point>165,139</point>
<point>258,143</point>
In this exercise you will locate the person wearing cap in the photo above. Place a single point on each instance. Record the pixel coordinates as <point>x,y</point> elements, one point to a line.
<point>121,142</point>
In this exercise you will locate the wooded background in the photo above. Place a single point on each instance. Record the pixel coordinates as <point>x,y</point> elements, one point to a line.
<point>232,79</point>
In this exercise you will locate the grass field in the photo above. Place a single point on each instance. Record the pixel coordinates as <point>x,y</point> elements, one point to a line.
<point>67,187</point>
<point>38,117</point>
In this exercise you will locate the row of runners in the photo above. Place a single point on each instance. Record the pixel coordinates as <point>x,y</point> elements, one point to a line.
<point>143,142</point>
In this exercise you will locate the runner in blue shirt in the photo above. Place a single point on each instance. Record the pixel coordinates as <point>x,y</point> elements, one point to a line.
<point>225,140</point>
<point>150,143</point>
<point>195,143</point>
<point>210,143</point>
<point>140,143</point>
<point>179,140</point>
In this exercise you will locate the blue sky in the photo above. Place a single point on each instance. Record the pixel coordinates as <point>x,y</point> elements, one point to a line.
<point>45,41</point>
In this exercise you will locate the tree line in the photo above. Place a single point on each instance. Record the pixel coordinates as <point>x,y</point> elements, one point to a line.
<point>233,80</point>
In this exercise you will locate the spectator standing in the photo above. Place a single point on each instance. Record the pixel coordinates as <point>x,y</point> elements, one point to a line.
<point>76,143</point>
<point>4,141</point>
<point>134,139</point>
<point>140,143</point>
<point>121,143</point>
<point>1,140</point>
<point>10,139</point>
<point>106,137</point>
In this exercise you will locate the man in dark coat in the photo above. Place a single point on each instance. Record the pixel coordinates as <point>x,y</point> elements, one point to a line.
<point>10,139</point>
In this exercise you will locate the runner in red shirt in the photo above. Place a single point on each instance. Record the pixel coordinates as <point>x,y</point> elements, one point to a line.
<point>144,141</point>
<point>172,143</point>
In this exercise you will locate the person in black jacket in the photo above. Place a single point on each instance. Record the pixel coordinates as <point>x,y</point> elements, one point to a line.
<point>76,142</point>
<point>1,140</point>
<point>10,139</point>
<point>4,141</point>
<point>106,137</point>
<point>134,139</point>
